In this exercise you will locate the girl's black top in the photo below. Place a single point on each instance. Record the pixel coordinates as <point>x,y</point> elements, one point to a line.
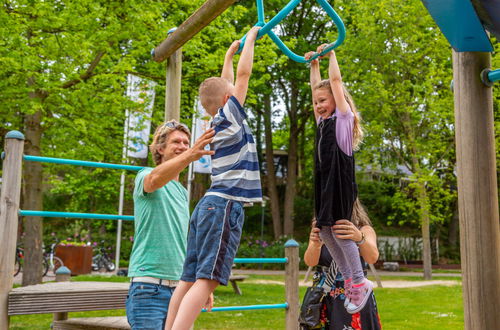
<point>335,184</point>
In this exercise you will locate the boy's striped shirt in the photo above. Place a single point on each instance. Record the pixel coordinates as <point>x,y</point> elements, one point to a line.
<point>235,166</point>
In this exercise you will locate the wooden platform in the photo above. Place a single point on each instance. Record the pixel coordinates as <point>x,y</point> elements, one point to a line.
<point>67,297</point>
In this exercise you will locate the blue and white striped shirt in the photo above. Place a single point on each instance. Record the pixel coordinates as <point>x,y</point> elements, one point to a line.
<point>235,166</point>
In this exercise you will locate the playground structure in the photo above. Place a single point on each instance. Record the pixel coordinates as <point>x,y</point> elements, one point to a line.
<point>61,298</point>
<point>463,22</point>
<point>477,182</point>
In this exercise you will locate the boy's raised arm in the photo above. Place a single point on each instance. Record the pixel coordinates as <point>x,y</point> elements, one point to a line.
<point>245,64</point>
<point>227,68</point>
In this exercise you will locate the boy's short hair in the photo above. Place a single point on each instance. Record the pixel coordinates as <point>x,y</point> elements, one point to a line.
<point>212,91</point>
<point>161,136</point>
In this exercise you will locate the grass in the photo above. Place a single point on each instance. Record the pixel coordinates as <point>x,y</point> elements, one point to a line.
<point>429,307</point>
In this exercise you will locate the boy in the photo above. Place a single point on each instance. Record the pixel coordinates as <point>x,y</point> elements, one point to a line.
<point>216,223</point>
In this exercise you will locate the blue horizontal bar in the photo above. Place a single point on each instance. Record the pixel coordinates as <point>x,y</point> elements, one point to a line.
<point>49,214</point>
<point>260,260</point>
<point>247,308</point>
<point>494,75</point>
<point>81,163</point>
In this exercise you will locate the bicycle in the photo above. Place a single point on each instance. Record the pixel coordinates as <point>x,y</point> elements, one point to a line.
<point>19,262</point>
<point>102,260</point>
<point>50,261</point>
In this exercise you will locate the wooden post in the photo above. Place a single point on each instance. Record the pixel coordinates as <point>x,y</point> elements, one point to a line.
<point>477,191</point>
<point>63,274</point>
<point>173,85</point>
<point>292,284</point>
<point>9,209</point>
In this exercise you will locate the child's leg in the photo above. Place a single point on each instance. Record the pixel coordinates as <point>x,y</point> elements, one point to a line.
<point>345,253</point>
<point>179,293</point>
<point>193,302</point>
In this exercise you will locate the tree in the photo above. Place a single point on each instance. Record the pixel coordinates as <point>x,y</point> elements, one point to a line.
<point>64,65</point>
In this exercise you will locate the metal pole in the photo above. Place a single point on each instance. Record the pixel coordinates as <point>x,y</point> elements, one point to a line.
<point>190,167</point>
<point>122,193</point>
<point>9,208</point>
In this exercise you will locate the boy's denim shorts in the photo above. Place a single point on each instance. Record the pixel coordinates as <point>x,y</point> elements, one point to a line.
<point>214,236</point>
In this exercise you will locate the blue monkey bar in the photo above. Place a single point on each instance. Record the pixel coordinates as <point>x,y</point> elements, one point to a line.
<point>247,308</point>
<point>490,76</point>
<point>267,27</point>
<point>50,214</point>
<point>81,163</point>
<point>260,260</point>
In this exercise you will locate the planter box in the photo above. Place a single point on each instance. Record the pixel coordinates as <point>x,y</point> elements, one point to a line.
<point>77,258</point>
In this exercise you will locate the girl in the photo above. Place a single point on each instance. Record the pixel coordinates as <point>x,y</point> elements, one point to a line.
<point>338,133</point>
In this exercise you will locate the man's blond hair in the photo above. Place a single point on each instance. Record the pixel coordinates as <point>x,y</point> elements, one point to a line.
<point>212,91</point>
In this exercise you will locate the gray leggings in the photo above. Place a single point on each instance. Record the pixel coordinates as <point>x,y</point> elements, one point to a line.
<point>345,253</point>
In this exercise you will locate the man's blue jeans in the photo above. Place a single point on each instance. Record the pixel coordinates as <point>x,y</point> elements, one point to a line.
<point>147,305</point>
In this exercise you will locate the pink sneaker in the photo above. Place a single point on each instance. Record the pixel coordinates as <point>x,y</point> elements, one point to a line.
<point>359,295</point>
<point>347,291</point>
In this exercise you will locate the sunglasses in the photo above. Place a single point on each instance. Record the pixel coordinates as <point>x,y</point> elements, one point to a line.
<point>174,125</point>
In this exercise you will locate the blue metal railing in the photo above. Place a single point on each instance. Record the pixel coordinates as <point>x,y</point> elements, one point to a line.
<point>81,163</point>
<point>260,260</point>
<point>247,308</point>
<point>50,214</point>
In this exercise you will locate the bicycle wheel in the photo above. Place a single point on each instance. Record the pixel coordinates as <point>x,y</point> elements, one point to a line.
<point>110,266</point>
<point>45,266</point>
<point>57,262</point>
<point>17,266</point>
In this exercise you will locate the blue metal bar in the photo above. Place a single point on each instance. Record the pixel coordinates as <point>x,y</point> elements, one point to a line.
<point>50,214</point>
<point>494,75</point>
<point>260,260</point>
<point>260,12</point>
<point>247,308</point>
<point>266,28</point>
<point>81,163</point>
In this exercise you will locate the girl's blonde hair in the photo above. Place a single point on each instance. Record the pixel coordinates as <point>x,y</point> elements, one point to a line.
<point>359,216</point>
<point>357,129</point>
<point>161,136</point>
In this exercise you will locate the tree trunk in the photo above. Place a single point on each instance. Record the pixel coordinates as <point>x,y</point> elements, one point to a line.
<point>291,178</point>
<point>272,189</point>
<point>426,236</point>
<point>453,228</point>
<point>33,200</point>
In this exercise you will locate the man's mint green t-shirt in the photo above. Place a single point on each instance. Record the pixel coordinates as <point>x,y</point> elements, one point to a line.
<point>161,226</point>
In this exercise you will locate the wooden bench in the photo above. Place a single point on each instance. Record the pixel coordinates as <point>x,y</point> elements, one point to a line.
<point>60,298</point>
<point>237,278</point>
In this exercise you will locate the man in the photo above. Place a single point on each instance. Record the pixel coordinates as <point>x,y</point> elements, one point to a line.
<point>161,214</point>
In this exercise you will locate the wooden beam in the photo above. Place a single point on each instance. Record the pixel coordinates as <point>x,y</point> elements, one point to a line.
<point>477,191</point>
<point>194,24</point>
